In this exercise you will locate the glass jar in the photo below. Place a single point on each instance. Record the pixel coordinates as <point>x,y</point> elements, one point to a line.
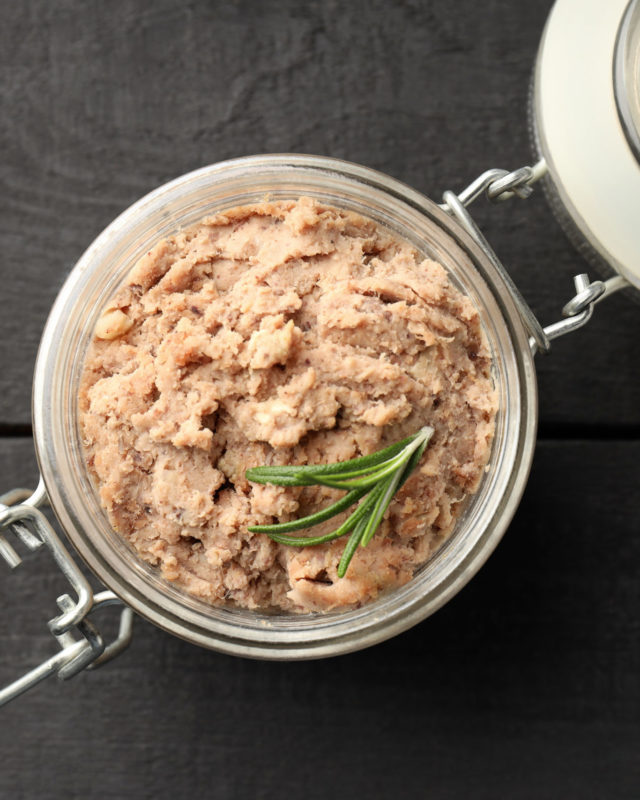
<point>69,329</point>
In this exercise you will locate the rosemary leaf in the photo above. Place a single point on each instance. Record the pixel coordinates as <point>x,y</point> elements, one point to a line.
<point>373,523</point>
<point>277,476</point>
<point>392,484</point>
<point>305,475</point>
<point>413,462</point>
<point>352,546</point>
<point>381,472</point>
<point>310,541</point>
<point>313,519</point>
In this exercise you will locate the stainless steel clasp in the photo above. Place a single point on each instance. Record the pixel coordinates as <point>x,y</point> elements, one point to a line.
<point>81,644</point>
<point>498,185</point>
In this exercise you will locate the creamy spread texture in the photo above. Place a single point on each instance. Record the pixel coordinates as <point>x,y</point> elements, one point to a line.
<point>282,333</point>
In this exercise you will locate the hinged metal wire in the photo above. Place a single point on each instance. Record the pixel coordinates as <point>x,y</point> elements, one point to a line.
<point>499,185</point>
<point>81,644</point>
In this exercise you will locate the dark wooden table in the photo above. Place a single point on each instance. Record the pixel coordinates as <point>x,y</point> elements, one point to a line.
<point>526,685</point>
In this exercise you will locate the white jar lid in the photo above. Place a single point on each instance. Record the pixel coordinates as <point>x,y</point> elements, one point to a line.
<point>592,163</point>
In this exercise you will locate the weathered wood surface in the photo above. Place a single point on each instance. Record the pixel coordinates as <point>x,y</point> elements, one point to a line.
<point>526,684</point>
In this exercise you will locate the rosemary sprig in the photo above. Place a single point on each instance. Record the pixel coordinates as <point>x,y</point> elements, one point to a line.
<point>373,480</point>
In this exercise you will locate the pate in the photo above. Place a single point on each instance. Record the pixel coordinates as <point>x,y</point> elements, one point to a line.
<point>282,333</point>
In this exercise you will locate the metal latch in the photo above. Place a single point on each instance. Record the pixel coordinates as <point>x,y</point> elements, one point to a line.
<point>499,185</point>
<point>81,644</point>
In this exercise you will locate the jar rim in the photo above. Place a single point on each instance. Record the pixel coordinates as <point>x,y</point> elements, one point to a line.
<point>262,635</point>
<point>626,75</point>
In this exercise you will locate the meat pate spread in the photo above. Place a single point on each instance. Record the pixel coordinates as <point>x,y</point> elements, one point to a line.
<point>282,333</point>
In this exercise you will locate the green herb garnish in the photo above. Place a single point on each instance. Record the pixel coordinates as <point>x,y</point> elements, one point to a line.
<point>373,480</point>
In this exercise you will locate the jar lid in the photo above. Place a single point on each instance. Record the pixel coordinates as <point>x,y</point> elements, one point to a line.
<point>586,113</point>
<point>626,75</point>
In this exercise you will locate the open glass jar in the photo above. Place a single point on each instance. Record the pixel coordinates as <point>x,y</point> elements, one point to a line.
<point>68,333</point>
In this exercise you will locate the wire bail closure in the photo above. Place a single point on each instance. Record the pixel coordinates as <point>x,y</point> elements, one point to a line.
<point>21,516</point>
<point>499,185</point>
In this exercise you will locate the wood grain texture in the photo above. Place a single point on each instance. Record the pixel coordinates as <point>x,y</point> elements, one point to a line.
<point>99,106</point>
<point>524,686</point>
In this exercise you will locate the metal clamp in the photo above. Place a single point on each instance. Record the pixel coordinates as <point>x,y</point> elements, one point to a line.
<point>499,185</point>
<point>20,516</point>
<point>579,310</point>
